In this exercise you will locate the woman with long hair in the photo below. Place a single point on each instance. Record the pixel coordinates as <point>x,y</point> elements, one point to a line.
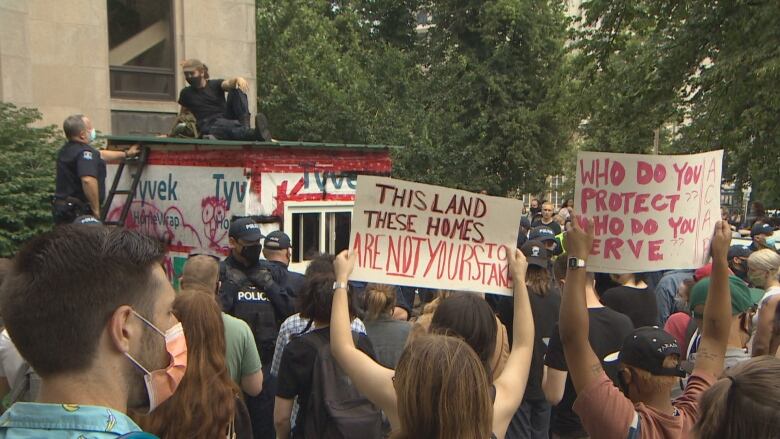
<point>468,316</point>
<point>743,403</point>
<point>440,388</point>
<point>206,404</point>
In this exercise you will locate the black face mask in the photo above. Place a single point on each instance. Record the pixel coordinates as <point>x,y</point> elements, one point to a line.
<point>740,270</point>
<point>251,253</point>
<point>193,80</point>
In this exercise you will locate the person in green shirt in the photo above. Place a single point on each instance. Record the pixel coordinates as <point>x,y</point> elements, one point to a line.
<point>201,273</point>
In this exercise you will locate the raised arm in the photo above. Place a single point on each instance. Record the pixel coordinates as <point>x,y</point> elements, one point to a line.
<point>584,365</point>
<point>510,386</point>
<point>717,310</point>
<point>371,379</point>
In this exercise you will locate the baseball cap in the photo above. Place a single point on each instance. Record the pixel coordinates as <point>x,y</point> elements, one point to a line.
<point>741,299</point>
<point>87,220</point>
<point>761,229</point>
<point>191,64</point>
<point>277,240</point>
<point>541,233</point>
<point>647,348</point>
<point>739,251</point>
<point>246,229</point>
<point>535,253</point>
<point>702,272</point>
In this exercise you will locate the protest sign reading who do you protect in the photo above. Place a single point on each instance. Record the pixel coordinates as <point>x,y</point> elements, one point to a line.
<point>649,212</point>
<point>420,235</point>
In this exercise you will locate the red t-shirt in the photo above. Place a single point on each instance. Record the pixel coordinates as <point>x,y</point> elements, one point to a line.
<point>607,414</point>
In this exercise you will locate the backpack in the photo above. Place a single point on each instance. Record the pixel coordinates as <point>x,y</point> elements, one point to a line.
<point>335,409</point>
<point>185,125</point>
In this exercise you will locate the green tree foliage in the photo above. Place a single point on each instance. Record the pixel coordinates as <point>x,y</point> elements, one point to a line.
<point>336,71</point>
<point>706,71</point>
<point>27,158</point>
<point>477,101</point>
<point>494,96</point>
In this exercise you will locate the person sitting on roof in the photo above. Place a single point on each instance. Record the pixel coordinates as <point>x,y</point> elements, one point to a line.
<point>217,117</point>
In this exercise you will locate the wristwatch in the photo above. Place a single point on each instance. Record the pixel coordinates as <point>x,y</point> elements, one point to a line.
<point>337,285</point>
<point>573,262</point>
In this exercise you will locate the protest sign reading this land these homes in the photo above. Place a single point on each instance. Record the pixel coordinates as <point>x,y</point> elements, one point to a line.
<point>420,235</point>
<point>649,212</point>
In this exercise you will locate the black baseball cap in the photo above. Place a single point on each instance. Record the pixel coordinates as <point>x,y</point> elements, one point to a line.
<point>277,240</point>
<point>246,229</point>
<point>541,233</point>
<point>761,229</point>
<point>647,348</point>
<point>535,253</point>
<point>739,251</point>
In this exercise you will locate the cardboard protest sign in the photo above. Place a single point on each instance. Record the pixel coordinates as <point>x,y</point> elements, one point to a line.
<point>649,212</point>
<point>420,235</point>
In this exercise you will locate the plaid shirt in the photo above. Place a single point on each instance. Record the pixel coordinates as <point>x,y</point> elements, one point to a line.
<point>294,325</point>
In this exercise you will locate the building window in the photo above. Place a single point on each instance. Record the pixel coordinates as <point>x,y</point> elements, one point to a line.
<point>317,228</point>
<point>141,50</point>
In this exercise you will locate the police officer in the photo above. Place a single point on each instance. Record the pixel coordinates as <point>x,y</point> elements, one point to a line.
<point>249,293</point>
<point>248,290</point>
<point>277,250</point>
<point>81,171</point>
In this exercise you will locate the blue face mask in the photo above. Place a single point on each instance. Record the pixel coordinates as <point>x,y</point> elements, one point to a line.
<point>92,135</point>
<point>770,241</point>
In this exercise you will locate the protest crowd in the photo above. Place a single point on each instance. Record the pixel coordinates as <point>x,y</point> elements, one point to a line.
<point>97,343</point>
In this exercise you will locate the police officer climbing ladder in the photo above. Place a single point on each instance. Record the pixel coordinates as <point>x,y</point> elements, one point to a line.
<point>248,291</point>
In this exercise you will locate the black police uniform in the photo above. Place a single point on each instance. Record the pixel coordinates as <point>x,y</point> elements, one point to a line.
<point>250,294</point>
<point>76,160</point>
<point>290,281</point>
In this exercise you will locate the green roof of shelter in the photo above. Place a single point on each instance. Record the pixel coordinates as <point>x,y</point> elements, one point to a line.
<point>217,143</point>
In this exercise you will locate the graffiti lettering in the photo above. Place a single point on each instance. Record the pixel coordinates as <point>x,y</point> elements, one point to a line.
<point>321,179</point>
<point>229,188</point>
<point>159,189</point>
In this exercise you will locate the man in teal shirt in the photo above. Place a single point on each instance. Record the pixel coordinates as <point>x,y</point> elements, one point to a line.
<point>89,308</point>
